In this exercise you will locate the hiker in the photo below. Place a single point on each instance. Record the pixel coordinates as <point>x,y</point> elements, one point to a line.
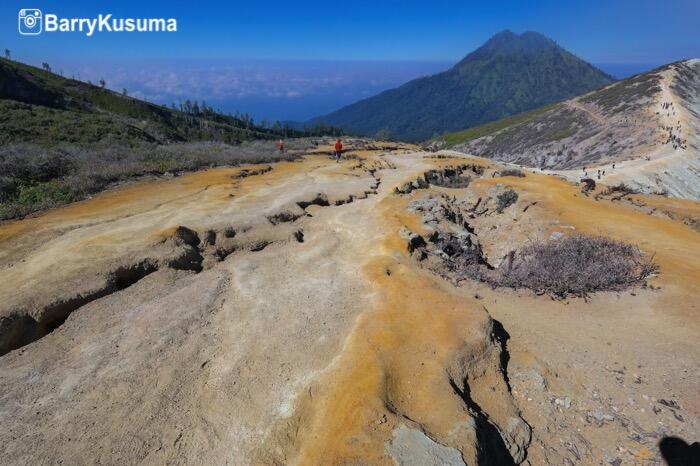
<point>338,150</point>
<point>280,145</point>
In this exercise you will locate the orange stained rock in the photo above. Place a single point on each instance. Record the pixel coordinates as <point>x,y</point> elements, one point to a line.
<point>142,196</point>
<point>394,363</point>
<point>676,246</point>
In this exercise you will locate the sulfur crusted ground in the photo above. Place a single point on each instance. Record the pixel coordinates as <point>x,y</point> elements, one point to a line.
<point>275,316</point>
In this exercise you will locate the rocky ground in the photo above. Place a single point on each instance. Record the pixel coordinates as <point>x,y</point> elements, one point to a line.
<point>642,131</point>
<point>281,315</point>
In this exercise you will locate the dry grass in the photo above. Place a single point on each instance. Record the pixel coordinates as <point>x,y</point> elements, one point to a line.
<point>34,178</point>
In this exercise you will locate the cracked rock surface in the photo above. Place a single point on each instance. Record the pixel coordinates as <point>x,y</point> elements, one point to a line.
<point>279,315</point>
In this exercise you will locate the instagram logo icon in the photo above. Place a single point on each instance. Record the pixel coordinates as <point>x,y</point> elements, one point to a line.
<point>30,21</point>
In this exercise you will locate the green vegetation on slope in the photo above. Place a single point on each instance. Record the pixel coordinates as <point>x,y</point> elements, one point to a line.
<point>460,137</point>
<point>619,96</point>
<point>20,122</point>
<point>62,140</point>
<point>574,133</point>
<point>510,74</point>
<point>41,107</point>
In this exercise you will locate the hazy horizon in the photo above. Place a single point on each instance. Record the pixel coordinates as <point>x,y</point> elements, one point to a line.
<point>285,90</point>
<point>297,61</point>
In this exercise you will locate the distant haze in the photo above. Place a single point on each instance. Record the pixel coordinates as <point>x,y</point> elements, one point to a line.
<point>269,89</point>
<point>625,70</point>
<point>319,56</point>
<point>266,89</point>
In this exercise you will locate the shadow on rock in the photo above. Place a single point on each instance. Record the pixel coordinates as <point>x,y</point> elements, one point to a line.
<point>676,452</point>
<point>491,449</point>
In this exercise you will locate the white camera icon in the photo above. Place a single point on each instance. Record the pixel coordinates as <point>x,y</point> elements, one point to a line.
<point>30,21</point>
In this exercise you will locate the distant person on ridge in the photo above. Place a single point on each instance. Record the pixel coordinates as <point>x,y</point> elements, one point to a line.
<point>338,150</point>
<point>280,145</point>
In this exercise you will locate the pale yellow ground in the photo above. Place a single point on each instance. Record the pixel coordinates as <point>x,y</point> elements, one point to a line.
<point>314,352</point>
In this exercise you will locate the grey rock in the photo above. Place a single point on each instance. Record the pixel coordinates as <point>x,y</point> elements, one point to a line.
<point>600,416</point>
<point>411,447</point>
<point>420,183</point>
<point>556,235</point>
<point>563,402</point>
<point>415,241</point>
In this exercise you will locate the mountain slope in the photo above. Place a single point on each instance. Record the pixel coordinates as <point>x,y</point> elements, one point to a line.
<point>647,125</point>
<point>63,140</point>
<point>42,107</point>
<point>509,74</point>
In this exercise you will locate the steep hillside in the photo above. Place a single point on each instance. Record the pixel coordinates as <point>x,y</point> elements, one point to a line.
<point>41,107</point>
<point>509,74</point>
<point>646,125</point>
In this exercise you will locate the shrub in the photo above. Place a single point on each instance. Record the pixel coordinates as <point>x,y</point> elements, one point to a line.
<point>621,188</point>
<point>506,199</point>
<point>30,163</point>
<point>384,135</point>
<point>33,177</point>
<point>8,188</point>
<point>513,172</point>
<point>46,194</point>
<point>452,176</point>
<point>575,265</point>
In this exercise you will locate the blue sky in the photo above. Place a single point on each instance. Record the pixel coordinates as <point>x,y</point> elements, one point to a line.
<point>310,56</point>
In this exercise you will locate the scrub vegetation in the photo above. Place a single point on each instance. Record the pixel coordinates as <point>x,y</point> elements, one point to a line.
<point>62,140</point>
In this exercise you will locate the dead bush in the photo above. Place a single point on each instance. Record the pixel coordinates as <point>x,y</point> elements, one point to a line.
<point>506,199</point>
<point>449,177</point>
<point>571,266</point>
<point>621,188</point>
<point>30,163</point>
<point>512,172</point>
<point>575,265</point>
<point>617,192</point>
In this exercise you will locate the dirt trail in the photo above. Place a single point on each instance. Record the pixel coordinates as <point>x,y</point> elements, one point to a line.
<point>277,317</point>
<point>589,111</point>
<point>662,165</point>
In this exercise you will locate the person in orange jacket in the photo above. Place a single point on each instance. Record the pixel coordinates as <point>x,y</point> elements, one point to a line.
<point>338,150</point>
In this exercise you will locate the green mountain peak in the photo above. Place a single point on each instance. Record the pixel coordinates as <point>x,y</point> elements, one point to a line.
<point>509,74</point>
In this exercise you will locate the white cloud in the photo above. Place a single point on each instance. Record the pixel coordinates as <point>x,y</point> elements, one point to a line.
<point>181,80</point>
<point>311,87</point>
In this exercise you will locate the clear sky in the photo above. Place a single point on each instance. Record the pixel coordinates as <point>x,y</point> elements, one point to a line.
<point>435,33</point>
